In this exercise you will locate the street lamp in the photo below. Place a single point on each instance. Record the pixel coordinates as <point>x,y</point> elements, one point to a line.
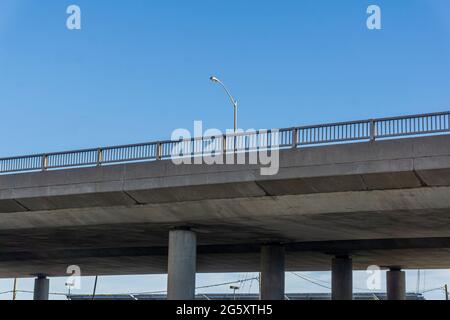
<point>233,101</point>
<point>234,288</point>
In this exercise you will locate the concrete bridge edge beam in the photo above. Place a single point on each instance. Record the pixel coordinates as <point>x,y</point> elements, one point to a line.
<point>342,278</point>
<point>396,284</point>
<point>41,288</point>
<point>182,264</point>
<point>272,282</point>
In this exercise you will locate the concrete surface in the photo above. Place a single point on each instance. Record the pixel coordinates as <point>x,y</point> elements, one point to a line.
<point>385,202</point>
<point>181,265</point>
<point>396,284</point>
<point>272,282</point>
<point>41,288</point>
<point>342,278</point>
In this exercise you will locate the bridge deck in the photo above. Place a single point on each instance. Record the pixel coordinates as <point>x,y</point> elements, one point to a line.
<point>115,219</point>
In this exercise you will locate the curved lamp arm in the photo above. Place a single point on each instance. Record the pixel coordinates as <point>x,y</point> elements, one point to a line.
<point>233,101</point>
<point>216,80</point>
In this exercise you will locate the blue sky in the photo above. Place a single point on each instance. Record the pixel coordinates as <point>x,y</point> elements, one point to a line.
<point>139,69</point>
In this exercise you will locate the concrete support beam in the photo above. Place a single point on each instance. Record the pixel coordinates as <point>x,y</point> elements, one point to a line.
<point>272,272</point>
<point>396,284</point>
<point>342,278</point>
<point>41,288</point>
<point>182,265</point>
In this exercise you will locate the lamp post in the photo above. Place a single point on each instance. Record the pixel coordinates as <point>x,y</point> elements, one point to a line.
<point>233,101</point>
<point>234,288</point>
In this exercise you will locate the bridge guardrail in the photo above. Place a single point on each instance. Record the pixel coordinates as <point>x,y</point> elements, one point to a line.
<point>363,130</point>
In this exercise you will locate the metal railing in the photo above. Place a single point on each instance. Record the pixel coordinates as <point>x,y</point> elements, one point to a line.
<point>364,130</point>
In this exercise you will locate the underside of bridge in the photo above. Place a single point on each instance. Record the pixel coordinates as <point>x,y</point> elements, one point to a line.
<point>383,203</point>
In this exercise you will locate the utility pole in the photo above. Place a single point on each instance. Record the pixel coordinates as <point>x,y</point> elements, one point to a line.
<point>95,288</point>
<point>446,292</point>
<point>15,289</point>
<point>418,281</point>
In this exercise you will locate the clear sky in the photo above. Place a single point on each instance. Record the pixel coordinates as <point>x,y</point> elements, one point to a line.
<point>139,69</point>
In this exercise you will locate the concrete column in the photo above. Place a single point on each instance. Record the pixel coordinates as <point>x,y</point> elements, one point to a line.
<point>182,265</point>
<point>41,288</point>
<point>396,284</point>
<point>342,278</point>
<point>272,273</point>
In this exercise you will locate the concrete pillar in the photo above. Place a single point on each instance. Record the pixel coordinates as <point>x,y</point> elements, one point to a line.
<point>41,288</point>
<point>342,278</point>
<point>396,284</point>
<point>272,273</point>
<point>182,265</point>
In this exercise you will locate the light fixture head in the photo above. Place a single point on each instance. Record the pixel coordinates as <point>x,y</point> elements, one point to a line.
<point>214,79</point>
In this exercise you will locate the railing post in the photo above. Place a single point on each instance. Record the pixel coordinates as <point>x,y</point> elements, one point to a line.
<point>372,130</point>
<point>224,144</point>
<point>159,151</point>
<point>294,138</point>
<point>44,162</point>
<point>99,157</point>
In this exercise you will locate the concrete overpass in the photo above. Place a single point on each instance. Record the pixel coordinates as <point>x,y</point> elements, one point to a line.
<point>334,204</point>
